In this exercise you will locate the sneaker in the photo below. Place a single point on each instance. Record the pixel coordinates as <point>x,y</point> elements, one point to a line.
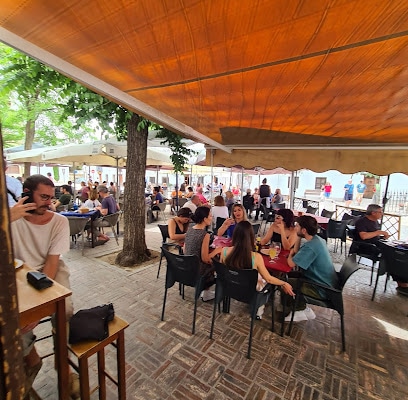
<point>207,295</point>
<point>299,316</point>
<point>260,312</point>
<point>402,290</point>
<point>309,313</point>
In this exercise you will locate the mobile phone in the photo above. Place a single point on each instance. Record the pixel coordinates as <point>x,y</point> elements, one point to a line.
<point>30,199</point>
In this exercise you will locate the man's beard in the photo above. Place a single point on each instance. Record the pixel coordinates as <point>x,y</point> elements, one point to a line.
<point>301,235</point>
<point>41,210</point>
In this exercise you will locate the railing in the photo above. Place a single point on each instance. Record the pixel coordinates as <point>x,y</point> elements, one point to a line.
<point>391,221</point>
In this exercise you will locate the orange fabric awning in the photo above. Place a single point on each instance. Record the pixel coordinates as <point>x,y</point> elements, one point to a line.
<point>239,73</point>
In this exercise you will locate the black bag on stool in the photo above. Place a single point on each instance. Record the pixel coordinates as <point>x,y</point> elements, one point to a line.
<point>91,324</point>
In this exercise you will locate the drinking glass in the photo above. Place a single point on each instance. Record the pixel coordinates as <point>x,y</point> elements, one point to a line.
<point>272,253</point>
<point>277,247</point>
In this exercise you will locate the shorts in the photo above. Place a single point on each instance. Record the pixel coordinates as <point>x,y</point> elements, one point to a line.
<point>62,277</point>
<point>348,196</point>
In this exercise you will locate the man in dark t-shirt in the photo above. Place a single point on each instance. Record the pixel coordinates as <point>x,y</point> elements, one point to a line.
<point>368,230</point>
<point>264,193</point>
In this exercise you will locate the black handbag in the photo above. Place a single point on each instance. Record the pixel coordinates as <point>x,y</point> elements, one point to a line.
<point>91,324</point>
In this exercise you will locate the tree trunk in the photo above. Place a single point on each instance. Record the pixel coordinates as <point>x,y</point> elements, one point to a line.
<point>11,356</point>
<point>28,145</point>
<point>134,242</point>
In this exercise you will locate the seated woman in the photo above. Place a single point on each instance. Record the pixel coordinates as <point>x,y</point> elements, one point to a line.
<point>219,210</point>
<point>173,201</point>
<point>189,193</point>
<point>197,242</point>
<point>242,256</point>
<point>238,214</point>
<point>178,226</point>
<point>93,201</point>
<point>276,199</point>
<point>282,230</point>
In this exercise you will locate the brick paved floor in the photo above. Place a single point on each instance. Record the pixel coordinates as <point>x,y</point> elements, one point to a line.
<point>165,361</point>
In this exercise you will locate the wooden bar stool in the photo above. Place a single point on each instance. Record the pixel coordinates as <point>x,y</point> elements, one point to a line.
<point>85,350</point>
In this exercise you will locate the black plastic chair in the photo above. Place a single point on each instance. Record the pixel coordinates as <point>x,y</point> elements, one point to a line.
<point>393,261</point>
<point>256,227</point>
<point>364,249</point>
<point>334,295</point>
<point>241,286</point>
<point>185,270</point>
<point>268,215</point>
<point>326,213</point>
<point>358,213</point>
<point>164,230</point>
<point>337,230</point>
<point>311,210</point>
<point>219,221</point>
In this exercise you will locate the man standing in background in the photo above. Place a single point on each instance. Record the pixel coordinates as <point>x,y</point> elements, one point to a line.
<point>361,187</point>
<point>348,192</point>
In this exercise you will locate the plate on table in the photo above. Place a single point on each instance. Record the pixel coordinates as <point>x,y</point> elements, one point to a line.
<point>18,263</point>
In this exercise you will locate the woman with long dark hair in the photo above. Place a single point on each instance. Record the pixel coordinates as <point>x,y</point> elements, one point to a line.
<point>197,242</point>
<point>179,225</point>
<point>242,255</point>
<point>282,230</point>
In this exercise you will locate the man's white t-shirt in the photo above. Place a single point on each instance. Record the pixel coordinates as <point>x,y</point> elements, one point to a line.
<point>33,243</point>
<point>191,206</point>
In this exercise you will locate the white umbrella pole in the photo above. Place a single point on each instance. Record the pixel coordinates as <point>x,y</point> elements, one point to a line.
<point>242,185</point>
<point>292,190</point>
<point>212,176</point>
<point>117,179</point>
<point>74,191</point>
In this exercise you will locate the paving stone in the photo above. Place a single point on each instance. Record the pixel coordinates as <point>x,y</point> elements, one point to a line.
<point>165,361</point>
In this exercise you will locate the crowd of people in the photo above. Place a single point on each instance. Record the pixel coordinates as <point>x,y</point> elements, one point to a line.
<point>193,196</point>
<point>41,236</point>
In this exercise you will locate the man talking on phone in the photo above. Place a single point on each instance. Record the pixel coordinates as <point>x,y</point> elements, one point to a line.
<point>40,237</point>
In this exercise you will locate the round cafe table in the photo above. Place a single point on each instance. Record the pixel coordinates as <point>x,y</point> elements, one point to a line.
<point>278,264</point>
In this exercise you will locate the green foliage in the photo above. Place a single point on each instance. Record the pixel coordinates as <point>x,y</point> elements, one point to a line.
<point>180,153</point>
<point>84,106</point>
<point>31,92</point>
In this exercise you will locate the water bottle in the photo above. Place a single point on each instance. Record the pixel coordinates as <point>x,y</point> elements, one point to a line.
<point>75,207</point>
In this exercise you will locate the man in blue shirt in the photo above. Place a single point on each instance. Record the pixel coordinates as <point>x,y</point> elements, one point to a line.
<point>157,198</point>
<point>348,192</point>
<point>361,187</point>
<point>314,261</point>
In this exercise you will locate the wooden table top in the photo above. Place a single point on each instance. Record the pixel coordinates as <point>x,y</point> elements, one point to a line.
<point>31,299</point>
